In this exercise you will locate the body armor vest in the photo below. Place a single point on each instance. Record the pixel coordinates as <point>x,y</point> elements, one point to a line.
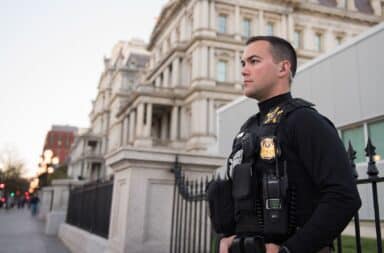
<point>263,202</point>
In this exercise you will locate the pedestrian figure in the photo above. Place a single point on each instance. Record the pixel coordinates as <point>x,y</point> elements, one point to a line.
<point>34,204</point>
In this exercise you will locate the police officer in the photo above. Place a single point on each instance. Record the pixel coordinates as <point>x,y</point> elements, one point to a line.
<point>313,170</point>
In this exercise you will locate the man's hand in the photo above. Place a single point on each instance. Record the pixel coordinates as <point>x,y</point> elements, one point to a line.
<point>271,248</point>
<point>225,243</point>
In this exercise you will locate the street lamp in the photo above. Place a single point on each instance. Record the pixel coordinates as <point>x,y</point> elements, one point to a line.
<point>47,162</point>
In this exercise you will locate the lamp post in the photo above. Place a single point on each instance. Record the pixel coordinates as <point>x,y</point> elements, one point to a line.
<point>47,162</point>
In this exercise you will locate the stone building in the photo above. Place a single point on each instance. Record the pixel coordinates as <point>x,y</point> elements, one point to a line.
<point>116,83</point>
<point>159,101</point>
<point>194,66</point>
<point>167,97</point>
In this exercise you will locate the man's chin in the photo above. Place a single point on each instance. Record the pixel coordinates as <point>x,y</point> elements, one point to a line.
<point>250,95</point>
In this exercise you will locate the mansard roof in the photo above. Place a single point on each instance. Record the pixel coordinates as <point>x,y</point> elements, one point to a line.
<point>165,13</point>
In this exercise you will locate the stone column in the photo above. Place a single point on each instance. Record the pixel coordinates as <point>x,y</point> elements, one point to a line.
<point>204,5</point>
<point>237,23</point>
<point>132,122</point>
<point>139,122</point>
<point>164,127</point>
<point>183,123</point>
<point>166,77</point>
<point>351,5</point>
<point>237,68</point>
<point>196,17</point>
<point>141,212</point>
<point>284,26</point>
<point>174,123</point>
<point>199,117</point>
<point>204,62</point>
<point>148,124</point>
<point>212,60</point>
<point>377,8</point>
<point>290,27</point>
<point>158,81</point>
<point>212,15</point>
<point>307,38</point>
<point>60,193</point>
<point>175,72</point>
<point>329,41</point>
<point>212,117</point>
<point>261,22</point>
<point>127,129</point>
<point>195,64</point>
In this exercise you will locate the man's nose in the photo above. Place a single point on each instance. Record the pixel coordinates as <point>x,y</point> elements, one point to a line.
<point>244,71</point>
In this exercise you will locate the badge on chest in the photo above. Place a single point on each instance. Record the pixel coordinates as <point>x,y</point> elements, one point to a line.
<point>267,148</point>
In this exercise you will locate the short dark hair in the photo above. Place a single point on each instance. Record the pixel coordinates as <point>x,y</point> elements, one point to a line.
<point>280,49</point>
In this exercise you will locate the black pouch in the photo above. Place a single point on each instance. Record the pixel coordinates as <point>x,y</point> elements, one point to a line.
<point>221,206</point>
<point>242,181</point>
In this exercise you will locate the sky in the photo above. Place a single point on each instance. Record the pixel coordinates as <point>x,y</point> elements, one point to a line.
<point>51,58</point>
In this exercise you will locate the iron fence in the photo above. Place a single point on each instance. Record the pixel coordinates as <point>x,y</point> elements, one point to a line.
<point>373,179</point>
<point>89,207</point>
<point>191,230</point>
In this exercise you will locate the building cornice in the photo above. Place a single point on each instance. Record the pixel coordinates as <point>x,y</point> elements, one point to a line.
<point>293,5</point>
<point>354,16</point>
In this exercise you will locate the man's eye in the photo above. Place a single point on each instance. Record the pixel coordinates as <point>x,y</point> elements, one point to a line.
<point>254,61</point>
<point>242,63</point>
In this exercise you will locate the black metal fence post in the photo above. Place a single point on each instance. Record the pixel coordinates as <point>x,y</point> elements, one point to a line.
<point>352,157</point>
<point>372,174</point>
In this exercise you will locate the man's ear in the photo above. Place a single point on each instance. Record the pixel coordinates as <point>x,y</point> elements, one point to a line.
<point>285,68</point>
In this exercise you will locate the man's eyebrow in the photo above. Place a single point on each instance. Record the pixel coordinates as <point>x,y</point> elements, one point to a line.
<point>250,57</point>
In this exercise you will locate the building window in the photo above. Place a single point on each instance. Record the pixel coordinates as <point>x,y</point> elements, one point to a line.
<point>375,132</point>
<point>297,35</point>
<point>222,23</point>
<point>246,28</point>
<point>339,39</point>
<point>343,4</point>
<point>356,137</point>
<point>221,71</point>
<point>270,28</point>
<point>318,42</point>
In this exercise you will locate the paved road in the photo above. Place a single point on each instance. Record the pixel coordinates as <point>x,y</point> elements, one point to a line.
<point>22,233</point>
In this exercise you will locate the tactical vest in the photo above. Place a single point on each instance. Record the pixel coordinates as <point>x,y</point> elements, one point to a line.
<point>264,203</point>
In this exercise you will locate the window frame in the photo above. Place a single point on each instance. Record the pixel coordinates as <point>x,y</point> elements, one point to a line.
<point>226,64</point>
<point>365,125</point>
<point>225,16</point>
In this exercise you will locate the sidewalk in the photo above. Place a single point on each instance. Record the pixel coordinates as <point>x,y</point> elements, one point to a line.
<point>367,229</point>
<point>22,233</point>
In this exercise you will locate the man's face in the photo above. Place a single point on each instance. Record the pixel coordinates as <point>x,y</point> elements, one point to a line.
<point>259,71</point>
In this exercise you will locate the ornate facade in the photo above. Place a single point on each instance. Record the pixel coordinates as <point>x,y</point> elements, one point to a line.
<point>166,98</point>
<point>194,66</point>
<point>117,82</point>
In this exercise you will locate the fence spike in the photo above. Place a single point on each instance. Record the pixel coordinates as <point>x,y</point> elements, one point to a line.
<point>352,157</point>
<point>370,153</point>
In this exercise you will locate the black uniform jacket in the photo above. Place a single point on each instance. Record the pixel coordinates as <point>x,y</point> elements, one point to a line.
<point>318,166</point>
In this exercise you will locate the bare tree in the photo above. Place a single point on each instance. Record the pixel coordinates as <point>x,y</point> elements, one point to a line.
<point>11,165</point>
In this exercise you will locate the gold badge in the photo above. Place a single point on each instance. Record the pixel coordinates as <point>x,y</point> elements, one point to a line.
<point>267,149</point>
<point>273,115</point>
